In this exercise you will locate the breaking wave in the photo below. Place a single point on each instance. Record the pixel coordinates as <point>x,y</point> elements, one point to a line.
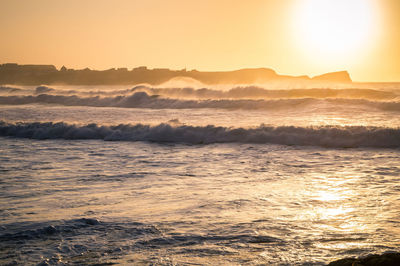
<point>324,136</point>
<point>240,92</point>
<point>255,92</point>
<point>9,90</point>
<point>144,100</point>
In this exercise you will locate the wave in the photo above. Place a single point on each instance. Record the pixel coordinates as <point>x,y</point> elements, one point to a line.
<point>46,230</point>
<point>9,90</point>
<point>244,92</point>
<point>60,242</point>
<point>144,100</point>
<point>252,92</point>
<point>324,136</point>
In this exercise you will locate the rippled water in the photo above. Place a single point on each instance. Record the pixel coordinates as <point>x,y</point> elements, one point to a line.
<point>95,201</point>
<point>83,200</point>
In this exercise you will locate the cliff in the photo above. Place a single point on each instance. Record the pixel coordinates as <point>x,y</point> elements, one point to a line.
<point>48,74</point>
<point>340,76</point>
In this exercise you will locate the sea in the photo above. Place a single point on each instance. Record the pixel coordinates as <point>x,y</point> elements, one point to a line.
<point>184,173</point>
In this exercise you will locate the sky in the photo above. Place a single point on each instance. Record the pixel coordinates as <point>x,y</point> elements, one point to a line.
<point>294,37</point>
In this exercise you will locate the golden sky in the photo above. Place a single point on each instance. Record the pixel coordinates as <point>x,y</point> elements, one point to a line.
<point>293,37</point>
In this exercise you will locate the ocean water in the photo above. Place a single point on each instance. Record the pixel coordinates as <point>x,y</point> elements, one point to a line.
<point>191,176</point>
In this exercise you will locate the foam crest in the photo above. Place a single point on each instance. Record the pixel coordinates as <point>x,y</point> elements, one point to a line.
<point>144,100</point>
<point>324,136</point>
<point>255,92</point>
<point>215,93</point>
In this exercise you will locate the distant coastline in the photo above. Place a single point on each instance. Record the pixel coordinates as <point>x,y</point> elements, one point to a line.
<point>16,74</point>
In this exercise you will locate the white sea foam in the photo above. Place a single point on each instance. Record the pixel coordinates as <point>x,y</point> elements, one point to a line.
<point>232,92</point>
<point>256,92</point>
<point>144,100</point>
<point>325,136</point>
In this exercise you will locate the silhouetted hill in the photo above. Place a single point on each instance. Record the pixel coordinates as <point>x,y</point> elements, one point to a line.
<point>48,74</point>
<point>340,76</point>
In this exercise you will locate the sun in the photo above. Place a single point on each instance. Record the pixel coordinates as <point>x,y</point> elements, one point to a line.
<point>333,29</point>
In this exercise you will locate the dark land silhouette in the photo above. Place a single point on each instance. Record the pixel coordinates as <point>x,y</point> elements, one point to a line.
<point>386,259</point>
<point>49,74</point>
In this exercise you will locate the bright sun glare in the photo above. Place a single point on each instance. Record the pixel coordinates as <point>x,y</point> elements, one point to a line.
<point>334,28</point>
